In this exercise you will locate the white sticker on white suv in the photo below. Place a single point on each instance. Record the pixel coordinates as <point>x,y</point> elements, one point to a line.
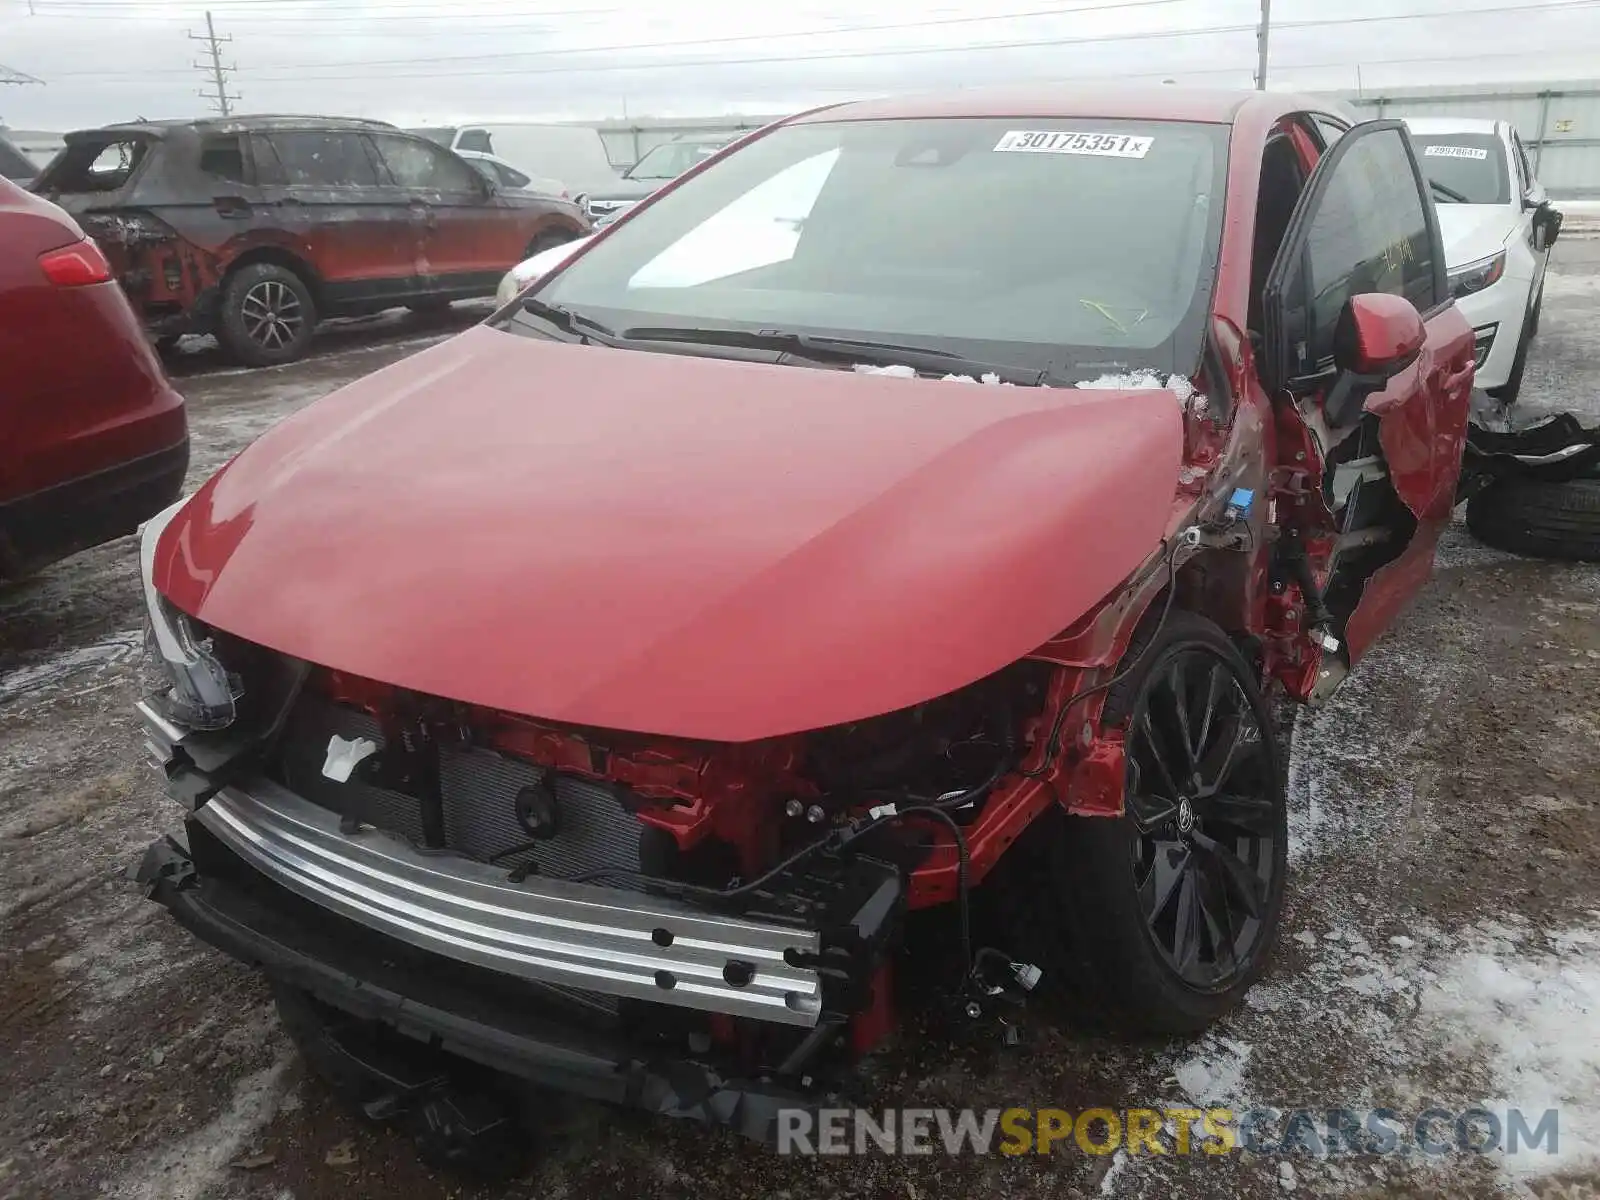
<point>1455,152</point>
<point>1066,141</point>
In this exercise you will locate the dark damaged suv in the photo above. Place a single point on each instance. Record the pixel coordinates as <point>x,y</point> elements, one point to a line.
<point>254,228</point>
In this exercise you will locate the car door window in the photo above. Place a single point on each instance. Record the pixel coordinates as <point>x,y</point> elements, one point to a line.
<point>1522,162</point>
<point>414,163</point>
<point>222,157</point>
<point>509,177</point>
<point>1330,130</point>
<point>311,158</point>
<point>1282,180</point>
<point>1368,231</point>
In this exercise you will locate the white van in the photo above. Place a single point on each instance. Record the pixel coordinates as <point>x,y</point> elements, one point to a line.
<point>573,154</point>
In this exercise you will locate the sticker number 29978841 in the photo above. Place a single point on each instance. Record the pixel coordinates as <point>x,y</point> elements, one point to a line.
<point>1065,141</point>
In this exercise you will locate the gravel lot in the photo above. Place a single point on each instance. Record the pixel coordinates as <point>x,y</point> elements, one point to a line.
<point>1441,946</point>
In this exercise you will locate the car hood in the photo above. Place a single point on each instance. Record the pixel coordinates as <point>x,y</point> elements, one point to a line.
<point>674,544</point>
<point>626,189</point>
<point>1474,231</point>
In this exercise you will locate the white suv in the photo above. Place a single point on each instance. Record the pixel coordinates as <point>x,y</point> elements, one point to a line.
<point>1498,227</point>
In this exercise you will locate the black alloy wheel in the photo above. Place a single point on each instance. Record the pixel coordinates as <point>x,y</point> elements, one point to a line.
<point>1159,920</point>
<point>1202,800</point>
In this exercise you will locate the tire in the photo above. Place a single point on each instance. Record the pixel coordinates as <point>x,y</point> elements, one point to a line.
<point>548,241</point>
<point>268,316</point>
<point>1539,518</point>
<point>1070,895</point>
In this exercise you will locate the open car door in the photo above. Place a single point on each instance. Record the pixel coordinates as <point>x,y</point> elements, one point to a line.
<point>1370,365</point>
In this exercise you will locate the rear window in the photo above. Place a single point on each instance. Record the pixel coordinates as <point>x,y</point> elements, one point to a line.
<point>1472,166</point>
<point>14,164</point>
<point>97,165</point>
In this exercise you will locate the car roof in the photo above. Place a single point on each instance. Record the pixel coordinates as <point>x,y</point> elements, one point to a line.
<point>1431,125</point>
<point>241,124</point>
<point>1154,103</point>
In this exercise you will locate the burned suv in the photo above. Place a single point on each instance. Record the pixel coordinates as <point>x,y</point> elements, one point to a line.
<point>254,228</point>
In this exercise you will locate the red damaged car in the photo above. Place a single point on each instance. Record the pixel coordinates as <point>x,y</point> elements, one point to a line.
<point>919,497</point>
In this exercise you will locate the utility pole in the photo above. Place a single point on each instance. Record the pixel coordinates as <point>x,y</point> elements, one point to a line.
<point>1261,45</point>
<point>218,92</point>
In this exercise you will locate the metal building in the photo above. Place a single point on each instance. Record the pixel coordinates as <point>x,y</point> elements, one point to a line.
<point>1559,123</point>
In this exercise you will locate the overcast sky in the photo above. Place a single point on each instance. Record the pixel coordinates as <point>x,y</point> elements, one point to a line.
<point>417,61</point>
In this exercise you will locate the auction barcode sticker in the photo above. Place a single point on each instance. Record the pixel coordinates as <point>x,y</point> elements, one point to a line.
<point>1455,152</point>
<point>1065,141</point>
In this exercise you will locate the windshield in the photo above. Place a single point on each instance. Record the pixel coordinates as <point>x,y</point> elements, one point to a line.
<point>1084,246</point>
<point>670,160</point>
<point>1470,165</point>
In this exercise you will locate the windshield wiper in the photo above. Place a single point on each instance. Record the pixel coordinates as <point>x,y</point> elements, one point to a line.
<point>568,321</point>
<point>1449,193</point>
<point>835,349</point>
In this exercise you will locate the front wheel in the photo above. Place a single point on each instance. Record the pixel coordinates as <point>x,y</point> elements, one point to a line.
<point>1159,920</point>
<point>548,241</point>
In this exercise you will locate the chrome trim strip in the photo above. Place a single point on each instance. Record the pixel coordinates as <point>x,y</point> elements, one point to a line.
<point>159,727</point>
<point>579,935</point>
<point>1537,460</point>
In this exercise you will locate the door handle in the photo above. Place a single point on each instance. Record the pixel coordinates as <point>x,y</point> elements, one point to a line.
<point>423,211</point>
<point>233,208</point>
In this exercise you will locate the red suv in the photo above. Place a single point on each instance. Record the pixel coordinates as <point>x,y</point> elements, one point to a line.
<point>93,440</point>
<point>254,228</point>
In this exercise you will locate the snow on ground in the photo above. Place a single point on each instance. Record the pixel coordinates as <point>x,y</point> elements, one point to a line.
<point>1527,1002</point>
<point>188,1168</point>
<point>95,657</point>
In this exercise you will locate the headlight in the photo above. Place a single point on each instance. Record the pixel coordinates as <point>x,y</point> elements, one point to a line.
<point>1476,276</point>
<point>199,692</point>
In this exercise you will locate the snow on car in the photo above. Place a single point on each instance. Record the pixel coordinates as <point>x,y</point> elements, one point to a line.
<point>530,269</point>
<point>1498,227</point>
<point>596,694</point>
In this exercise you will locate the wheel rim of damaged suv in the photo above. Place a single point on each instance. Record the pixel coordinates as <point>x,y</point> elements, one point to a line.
<point>272,315</point>
<point>1200,797</point>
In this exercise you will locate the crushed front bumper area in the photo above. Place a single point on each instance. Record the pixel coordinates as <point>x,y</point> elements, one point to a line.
<point>438,1007</point>
<point>620,943</point>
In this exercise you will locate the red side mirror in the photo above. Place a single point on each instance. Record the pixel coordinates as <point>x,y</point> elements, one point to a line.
<point>1378,336</point>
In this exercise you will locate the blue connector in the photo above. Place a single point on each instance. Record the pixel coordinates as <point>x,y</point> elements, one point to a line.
<point>1240,502</point>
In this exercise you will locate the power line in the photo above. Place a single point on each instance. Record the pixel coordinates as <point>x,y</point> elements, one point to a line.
<point>565,52</point>
<point>219,97</point>
<point>876,52</point>
<point>729,39</point>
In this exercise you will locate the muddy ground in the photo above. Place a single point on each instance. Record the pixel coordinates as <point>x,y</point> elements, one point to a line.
<point>1440,946</point>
